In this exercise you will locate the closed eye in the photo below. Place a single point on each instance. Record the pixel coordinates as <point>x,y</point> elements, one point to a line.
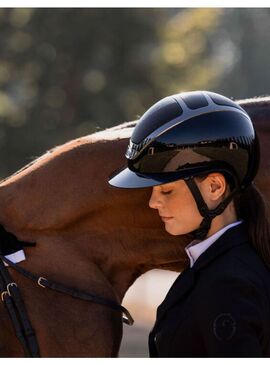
<point>166,192</point>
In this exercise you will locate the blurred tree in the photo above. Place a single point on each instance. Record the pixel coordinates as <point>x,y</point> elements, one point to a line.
<point>243,44</point>
<point>184,58</point>
<point>68,72</point>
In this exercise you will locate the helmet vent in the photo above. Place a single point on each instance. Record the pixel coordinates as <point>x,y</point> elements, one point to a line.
<point>134,149</point>
<point>159,114</point>
<point>222,100</point>
<point>195,100</point>
<point>151,151</point>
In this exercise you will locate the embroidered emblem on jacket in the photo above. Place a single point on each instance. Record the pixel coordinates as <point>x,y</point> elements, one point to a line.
<point>224,326</point>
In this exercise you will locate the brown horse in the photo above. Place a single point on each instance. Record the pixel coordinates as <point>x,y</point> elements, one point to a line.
<point>89,236</point>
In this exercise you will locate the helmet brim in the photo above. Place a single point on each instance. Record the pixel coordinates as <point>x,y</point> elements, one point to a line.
<point>130,180</point>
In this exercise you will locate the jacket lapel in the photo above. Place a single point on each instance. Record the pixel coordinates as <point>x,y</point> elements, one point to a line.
<point>186,280</point>
<point>183,283</point>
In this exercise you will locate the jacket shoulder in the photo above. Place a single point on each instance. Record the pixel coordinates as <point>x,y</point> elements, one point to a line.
<point>243,264</point>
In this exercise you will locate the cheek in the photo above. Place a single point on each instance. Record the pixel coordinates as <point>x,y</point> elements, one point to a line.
<point>186,216</point>
<point>183,204</point>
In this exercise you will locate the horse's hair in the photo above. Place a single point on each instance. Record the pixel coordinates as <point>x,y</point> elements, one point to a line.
<point>261,100</point>
<point>258,108</point>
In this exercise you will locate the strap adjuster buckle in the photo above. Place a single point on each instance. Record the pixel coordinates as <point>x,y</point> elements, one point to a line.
<point>2,295</point>
<point>39,281</point>
<point>11,284</point>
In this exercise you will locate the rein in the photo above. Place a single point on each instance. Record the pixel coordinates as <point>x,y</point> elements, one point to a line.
<point>11,296</point>
<point>14,304</point>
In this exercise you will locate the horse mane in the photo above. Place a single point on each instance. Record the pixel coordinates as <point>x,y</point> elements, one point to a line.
<point>258,109</point>
<point>120,131</point>
<point>36,159</point>
<point>255,101</point>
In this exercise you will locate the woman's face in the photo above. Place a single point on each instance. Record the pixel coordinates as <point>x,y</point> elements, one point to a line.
<point>176,207</point>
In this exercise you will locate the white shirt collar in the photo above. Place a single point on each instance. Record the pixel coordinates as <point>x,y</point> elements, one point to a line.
<point>195,248</point>
<point>16,257</point>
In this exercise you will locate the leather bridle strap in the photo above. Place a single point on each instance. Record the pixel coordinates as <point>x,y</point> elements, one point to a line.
<point>11,296</point>
<point>46,283</point>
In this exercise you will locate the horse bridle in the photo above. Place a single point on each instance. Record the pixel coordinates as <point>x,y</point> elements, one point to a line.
<point>10,295</point>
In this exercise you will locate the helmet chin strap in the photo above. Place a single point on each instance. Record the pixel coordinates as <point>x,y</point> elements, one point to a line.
<point>207,214</point>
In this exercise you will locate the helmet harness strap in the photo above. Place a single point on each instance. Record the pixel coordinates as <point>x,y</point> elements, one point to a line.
<point>207,214</point>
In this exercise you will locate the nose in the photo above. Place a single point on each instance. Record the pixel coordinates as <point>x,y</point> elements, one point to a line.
<point>154,201</point>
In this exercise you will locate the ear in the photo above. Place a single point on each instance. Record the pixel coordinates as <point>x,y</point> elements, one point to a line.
<point>216,185</point>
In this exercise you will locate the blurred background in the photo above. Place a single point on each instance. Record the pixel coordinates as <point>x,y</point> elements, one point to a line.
<point>66,73</point>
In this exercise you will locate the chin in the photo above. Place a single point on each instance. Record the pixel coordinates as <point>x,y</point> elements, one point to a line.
<point>178,231</point>
<point>175,232</point>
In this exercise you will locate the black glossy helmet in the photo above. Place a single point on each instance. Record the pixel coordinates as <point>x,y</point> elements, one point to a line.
<point>191,134</point>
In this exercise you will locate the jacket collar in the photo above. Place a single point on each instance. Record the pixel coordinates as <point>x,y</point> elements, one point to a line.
<point>195,248</point>
<point>233,237</point>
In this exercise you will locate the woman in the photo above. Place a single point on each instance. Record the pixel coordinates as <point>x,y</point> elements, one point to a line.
<point>200,153</point>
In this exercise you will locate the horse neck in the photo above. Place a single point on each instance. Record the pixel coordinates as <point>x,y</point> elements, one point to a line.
<point>64,203</point>
<point>259,111</point>
<point>123,254</point>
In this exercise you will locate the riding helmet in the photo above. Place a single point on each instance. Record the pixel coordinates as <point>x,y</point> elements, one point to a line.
<point>190,134</point>
<point>187,135</point>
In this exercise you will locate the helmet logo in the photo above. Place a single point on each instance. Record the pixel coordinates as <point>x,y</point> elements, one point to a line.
<point>233,146</point>
<point>135,149</point>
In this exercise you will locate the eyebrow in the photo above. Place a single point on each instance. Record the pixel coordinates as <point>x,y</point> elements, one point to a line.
<point>168,185</point>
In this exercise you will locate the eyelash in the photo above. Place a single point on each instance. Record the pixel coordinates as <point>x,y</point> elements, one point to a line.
<point>166,192</point>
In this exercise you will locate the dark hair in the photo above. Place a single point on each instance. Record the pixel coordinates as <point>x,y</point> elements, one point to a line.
<point>251,206</point>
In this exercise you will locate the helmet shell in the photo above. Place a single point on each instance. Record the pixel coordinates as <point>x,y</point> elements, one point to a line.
<point>190,134</point>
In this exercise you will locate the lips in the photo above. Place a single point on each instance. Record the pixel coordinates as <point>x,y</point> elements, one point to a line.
<point>165,218</point>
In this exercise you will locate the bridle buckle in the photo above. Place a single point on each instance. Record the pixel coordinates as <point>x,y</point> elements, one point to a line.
<point>2,295</point>
<point>39,281</point>
<point>9,285</point>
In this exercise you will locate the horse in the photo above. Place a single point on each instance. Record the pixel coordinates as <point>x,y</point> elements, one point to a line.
<point>91,237</point>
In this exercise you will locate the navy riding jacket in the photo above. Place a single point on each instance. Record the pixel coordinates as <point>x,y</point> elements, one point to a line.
<point>218,308</point>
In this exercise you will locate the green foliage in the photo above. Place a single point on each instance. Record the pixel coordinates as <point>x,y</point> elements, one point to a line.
<point>69,72</point>
<point>184,56</point>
